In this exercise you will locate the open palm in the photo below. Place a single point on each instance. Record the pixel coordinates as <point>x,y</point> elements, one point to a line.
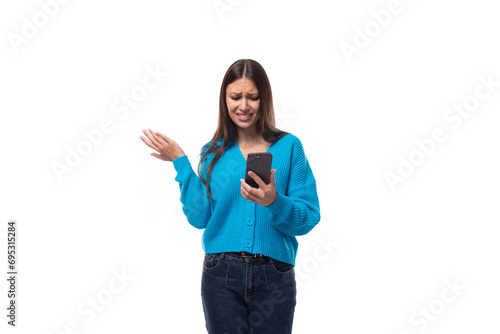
<point>167,148</point>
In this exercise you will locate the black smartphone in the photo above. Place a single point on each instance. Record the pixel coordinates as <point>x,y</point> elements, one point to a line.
<point>260,164</point>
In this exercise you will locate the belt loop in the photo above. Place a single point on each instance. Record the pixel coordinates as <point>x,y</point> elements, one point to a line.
<point>222,256</point>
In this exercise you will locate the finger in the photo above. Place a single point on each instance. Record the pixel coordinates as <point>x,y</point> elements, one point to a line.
<point>148,135</point>
<point>243,193</point>
<point>248,195</point>
<point>167,139</point>
<point>149,143</point>
<point>257,179</point>
<point>144,138</point>
<point>155,138</point>
<point>155,135</point>
<point>249,188</point>
<point>253,194</point>
<point>156,155</point>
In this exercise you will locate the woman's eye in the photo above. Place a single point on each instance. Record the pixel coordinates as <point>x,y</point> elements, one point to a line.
<point>253,98</point>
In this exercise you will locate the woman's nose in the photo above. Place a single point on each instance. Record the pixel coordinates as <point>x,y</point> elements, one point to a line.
<point>244,105</point>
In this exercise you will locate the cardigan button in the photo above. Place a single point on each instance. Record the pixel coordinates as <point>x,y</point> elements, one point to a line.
<point>249,221</point>
<point>249,201</point>
<point>248,243</point>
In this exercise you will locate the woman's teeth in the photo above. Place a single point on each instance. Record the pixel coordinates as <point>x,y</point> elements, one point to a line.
<point>244,116</point>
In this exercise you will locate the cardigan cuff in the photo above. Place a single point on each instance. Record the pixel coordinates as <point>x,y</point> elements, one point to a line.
<point>182,165</point>
<point>281,206</point>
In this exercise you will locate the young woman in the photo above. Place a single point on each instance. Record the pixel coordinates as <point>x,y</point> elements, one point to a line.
<point>248,279</point>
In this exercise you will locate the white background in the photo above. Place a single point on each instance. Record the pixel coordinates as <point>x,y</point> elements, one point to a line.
<point>119,209</point>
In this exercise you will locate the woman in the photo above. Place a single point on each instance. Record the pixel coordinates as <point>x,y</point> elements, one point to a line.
<point>248,280</point>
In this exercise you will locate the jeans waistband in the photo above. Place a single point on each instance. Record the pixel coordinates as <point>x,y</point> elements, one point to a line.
<point>243,254</point>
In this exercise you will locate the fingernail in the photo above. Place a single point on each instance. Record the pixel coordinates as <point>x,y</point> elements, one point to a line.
<point>249,173</point>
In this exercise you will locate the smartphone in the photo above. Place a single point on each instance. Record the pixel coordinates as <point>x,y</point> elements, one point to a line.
<point>260,164</point>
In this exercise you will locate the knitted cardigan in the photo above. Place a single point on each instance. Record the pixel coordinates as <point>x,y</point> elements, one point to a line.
<point>233,223</point>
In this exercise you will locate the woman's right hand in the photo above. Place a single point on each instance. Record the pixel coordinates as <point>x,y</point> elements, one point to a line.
<point>167,148</point>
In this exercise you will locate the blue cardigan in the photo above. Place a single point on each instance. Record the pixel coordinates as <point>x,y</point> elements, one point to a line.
<point>235,224</point>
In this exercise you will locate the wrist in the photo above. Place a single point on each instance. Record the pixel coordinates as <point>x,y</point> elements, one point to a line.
<point>275,196</point>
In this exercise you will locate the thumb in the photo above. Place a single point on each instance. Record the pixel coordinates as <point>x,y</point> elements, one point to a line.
<point>273,172</point>
<point>156,155</point>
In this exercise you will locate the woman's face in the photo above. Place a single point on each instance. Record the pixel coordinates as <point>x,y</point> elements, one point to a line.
<point>243,102</point>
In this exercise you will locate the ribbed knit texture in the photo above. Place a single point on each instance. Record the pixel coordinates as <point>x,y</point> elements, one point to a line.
<point>235,224</point>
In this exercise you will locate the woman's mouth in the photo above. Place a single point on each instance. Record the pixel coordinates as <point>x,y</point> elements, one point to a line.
<point>244,116</point>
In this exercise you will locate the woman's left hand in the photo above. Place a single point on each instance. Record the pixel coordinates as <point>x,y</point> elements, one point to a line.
<point>264,195</point>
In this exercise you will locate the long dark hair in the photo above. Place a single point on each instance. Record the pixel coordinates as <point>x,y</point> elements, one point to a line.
<point>226,129</point>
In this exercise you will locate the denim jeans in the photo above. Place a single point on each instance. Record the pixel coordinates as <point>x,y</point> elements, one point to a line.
<point>243,295</point>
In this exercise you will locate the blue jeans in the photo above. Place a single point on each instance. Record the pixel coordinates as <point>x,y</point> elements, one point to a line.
<point>243,295</point>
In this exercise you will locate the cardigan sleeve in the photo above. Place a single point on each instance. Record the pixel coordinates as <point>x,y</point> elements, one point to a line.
<point>195,204</point>
<point>297,212</point>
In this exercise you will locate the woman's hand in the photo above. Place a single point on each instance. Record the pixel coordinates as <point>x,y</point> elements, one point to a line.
<point>169,150</point>
<point>264,195</point>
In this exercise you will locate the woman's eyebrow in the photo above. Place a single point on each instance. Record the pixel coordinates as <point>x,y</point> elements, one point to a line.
<point>247,93</point>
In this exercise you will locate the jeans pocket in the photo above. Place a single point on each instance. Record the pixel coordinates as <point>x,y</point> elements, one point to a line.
<point>211,262</point>
<point>281,268</point>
